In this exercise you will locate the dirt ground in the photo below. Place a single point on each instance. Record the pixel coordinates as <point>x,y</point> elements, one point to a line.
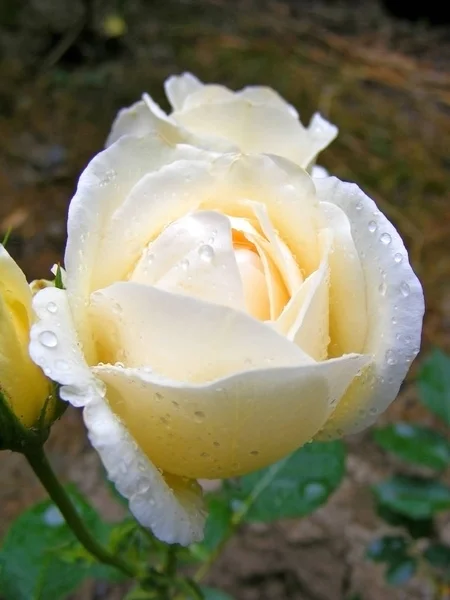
<point>384,82</point>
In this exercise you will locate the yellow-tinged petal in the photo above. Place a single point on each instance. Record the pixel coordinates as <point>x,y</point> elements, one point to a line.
<point>22,383</point>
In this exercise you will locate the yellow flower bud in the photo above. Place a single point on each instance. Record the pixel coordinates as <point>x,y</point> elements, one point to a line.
<point>24,389</point>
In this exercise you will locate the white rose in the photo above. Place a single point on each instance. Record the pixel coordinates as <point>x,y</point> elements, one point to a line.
<point>219,312</point>
<point>253,120</point>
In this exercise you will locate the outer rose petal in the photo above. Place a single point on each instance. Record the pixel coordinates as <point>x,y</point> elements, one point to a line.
<point>257,128</point>
<point>179,87</point>
<point>226,427</point>
<point>395,307</point>
<point>171,507</point>
<point>61,358</point>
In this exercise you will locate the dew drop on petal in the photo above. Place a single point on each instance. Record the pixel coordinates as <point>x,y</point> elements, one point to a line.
<point>359,205</point>
<point>385,239</point>
<point>382,288</point>
<point>206,252</point>
<point>119,364</point>
<point>48,339</point>
<point>52,308</point>
<point>398,258</point>
<point>199,416</point>
<point>184,264</point>
<point>372,226</point>
<point>373,411</point>
<point>405,289</point>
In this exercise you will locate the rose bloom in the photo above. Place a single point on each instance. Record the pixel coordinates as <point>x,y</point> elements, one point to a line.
<point>221,309</point>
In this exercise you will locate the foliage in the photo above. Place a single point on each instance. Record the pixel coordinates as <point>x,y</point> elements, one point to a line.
<point>409,502</point>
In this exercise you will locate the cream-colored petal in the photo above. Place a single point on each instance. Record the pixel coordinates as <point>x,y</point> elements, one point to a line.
<point>256,128</point>
<point>102,188</point>
<point>55,347</point>
<point>395,307</point>
<point>157,200</point>
<point>14,289</point>
<point>348,310</point>
<point>289,199</point>
<point>230,426</point>
<point>279,251</point>
<point>320,134</point>
<point>259,94</point>
<point>305,319</point>
<point>194,256</point>
<point>208,94</point>
<point>172,508</point>
<point>255,282</point>
<point>181,337</point>
<point>178,88</point>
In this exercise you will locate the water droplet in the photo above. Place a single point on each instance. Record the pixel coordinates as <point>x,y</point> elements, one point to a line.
<point>62,365</point>
<point>359,205</point>
<point>119,364</point>
<point>184,264</point>
<point>390,358</point>
<point>314,490</point>
<point>199,416</point>
<point>158,396</point>
<point>53,517</point>
<point>394,321</point>
<point>398,258</point>
<point>206,252</point>
<point>47,371</point>
<point>372,226</point>
<point>175,404</point>
<point>204,455</point>
<point>385,239</point>
<point>48,339</point>
<point>405,289</point>
<point>52,308</point>
<point>382,288</point>
<point>254,452</point>
<point>150,258</point>
<point>216,444</point>
<point>373,411</point>
<point>404,430</point>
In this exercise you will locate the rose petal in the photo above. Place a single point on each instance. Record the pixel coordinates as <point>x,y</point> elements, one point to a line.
<point>102,188</point>
<point>195,256</point>
<point>181,337</point>
<point>226,428</point>
<point>179,87</point>
<point>172,508</point>
<point>395,307</point>
<point>256,128</point>
<point>307,314</point>
<point>54,346</point>
<point>348,310</point>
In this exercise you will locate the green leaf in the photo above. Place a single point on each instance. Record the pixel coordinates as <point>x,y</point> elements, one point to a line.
<point>434,384</point>
<point>438,555</point>
<point>213,594</point>
<point>400,572</point>
<point>415,443</point>
<point>413,497</point>
<point>388,548</point>
<point>40,557</point>
<point>292,487</point>
<point>417,528</point>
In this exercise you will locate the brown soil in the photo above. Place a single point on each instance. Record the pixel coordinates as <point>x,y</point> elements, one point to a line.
<point>385,83</point>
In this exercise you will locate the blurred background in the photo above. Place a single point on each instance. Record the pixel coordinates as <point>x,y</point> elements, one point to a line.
<point>378,70</point>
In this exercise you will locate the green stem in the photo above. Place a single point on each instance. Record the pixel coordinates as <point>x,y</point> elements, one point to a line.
<point>40,465</point>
